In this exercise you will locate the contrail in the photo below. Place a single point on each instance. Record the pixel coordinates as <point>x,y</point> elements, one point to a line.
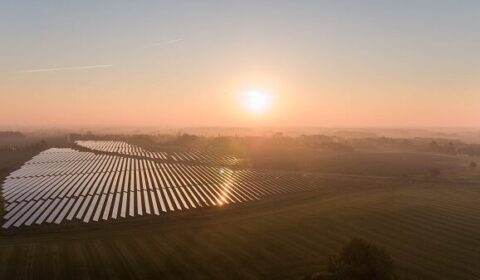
<point>159,44</point>
<point>165,43</point>
<point>68,68</point>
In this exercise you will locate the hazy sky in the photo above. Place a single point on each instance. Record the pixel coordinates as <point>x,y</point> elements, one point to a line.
<point>187,63</point>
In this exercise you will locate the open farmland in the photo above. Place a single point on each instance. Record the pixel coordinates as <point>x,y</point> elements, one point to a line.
<point>100,215</point>
<point>431,230</point>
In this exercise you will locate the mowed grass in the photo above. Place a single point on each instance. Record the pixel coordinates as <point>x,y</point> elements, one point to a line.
<point>431,229</point>
<point>367,163</point>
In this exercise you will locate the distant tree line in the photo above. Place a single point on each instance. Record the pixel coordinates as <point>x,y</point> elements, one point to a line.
<point>243,144</point>
<point>11,134</point>
<point>31,147</point>
<point>304,152</point>
<point>236,145</point>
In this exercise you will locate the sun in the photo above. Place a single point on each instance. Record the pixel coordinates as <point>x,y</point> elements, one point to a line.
<point>257,102</point>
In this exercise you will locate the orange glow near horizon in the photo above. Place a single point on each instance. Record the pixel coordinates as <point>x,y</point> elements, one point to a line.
<point>329,104</point>
<point>220,64</point>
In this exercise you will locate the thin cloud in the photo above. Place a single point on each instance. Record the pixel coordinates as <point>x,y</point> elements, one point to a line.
<point>87,67</point>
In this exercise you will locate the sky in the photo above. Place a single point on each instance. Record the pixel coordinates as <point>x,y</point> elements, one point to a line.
<point>193,63</point>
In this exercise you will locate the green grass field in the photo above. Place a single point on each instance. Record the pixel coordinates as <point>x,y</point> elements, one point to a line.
<point>431,229</point>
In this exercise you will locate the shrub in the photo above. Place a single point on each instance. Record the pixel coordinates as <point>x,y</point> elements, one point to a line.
<point>361,260</point>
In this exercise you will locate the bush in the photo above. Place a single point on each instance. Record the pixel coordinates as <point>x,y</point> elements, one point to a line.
<point>316,276</point>
<point>473,164</point>
<point>361,260</point>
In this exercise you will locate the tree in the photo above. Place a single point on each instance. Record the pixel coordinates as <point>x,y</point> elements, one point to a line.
<point>361,260</point>
<point>316,276</point>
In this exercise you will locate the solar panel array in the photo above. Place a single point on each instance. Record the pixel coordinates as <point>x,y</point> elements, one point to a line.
<point>61,185</point>
<point>124,148</point>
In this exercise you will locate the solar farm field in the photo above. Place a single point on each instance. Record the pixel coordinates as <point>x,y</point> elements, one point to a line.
<point>73,214</point>
<point>63,185</point>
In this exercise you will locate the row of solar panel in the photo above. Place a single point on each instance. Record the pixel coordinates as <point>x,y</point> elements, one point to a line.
<point>164,176</point>
<point>168,187</point>
<point>69,164</point>
<point>98,163</point>
<point>56,155</point>
<point>137,203</point>
<point>121,147</point>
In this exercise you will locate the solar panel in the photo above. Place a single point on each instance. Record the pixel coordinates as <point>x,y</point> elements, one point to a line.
<point>99,208</point>
<point>116,205</point>
<point>91,208</point>
<point>106,211</point>
<point>48,211</point>
<point>65,210</point>
<point>63,184</point>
